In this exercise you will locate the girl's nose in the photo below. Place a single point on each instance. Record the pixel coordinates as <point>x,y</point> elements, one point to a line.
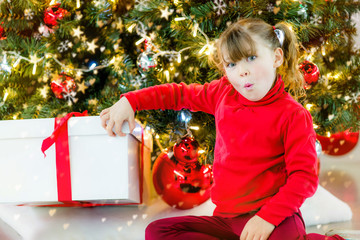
<point>244,73</point>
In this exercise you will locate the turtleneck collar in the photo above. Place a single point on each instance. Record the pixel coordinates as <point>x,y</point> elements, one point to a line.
<point>275,92</point>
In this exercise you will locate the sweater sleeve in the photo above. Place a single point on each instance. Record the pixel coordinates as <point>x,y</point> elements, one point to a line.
<point>300,160</point>
<point>195,97</point>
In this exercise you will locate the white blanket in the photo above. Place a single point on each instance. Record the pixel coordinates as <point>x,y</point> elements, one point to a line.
<point>129,222</point>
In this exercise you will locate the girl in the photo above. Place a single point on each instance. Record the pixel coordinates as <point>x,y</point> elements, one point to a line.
<point>265,159</point>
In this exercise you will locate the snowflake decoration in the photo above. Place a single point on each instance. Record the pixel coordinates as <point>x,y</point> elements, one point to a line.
<point>315,19</point>
<point>354,98</point>
<point>99,3</point>
<point>45,30</point>
<point>78,16</point>
<point>37,36</point>
<point>105,62</point>
<point>70,97</point>
<point>29,14</point>
<point>64,46</point>
<point>137,81</point>
<point>219,7</point>
<point>270,7</point>
<point>84,45</point>
<point>4,67</point>
<point>141,4</point>
<point>48,72</point>
<point>302,11</point>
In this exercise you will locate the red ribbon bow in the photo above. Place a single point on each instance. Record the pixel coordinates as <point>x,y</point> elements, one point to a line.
<point>61,139</point>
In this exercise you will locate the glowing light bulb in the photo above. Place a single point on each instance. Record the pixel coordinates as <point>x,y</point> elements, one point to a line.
<point>17,62</point>
<point>195,29</point>
<point>210,49</point>
<point>203,49</point>
<point>112,61</point>
<point>201,151</point>
<point>5,96</point>
<point>92,66</point>
<point>179,58</point>
<point>309,106</point>
<point>167,75</point>
<point>179,19</point>
<point>140,41</point>
<point>131,27</point>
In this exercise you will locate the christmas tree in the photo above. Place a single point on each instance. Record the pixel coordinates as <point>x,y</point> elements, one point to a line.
<point>64,56</point>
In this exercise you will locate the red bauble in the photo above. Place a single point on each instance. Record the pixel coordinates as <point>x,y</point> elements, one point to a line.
<point>54,13</point>
<point>63,85</point>
<point>181,186</point>
<point>186,151</point>
<point>311,72</point>
<point>2,37</point>
<point>339,143</point>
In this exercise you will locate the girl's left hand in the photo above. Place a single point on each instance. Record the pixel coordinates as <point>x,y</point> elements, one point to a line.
<point>257,229</point>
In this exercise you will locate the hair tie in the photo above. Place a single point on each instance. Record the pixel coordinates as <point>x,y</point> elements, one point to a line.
<point>280,35</point>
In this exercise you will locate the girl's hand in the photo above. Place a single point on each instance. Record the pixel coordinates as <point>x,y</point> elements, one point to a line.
<point>115,116</point>
<point>257,229</point>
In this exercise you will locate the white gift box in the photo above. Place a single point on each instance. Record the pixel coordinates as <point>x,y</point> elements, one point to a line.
<point>103,169</point>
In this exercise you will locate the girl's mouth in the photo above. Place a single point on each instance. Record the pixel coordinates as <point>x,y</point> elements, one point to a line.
<point>248,86</point>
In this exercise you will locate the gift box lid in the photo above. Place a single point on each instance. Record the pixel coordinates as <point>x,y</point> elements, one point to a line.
<point>43,128</point>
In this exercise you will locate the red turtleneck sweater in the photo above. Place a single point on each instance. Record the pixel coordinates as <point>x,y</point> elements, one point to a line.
<point>265,158</point>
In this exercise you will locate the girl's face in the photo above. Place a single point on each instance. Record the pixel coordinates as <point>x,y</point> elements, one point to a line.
<point>255,75</point>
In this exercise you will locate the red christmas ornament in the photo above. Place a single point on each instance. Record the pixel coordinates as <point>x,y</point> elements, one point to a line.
<point>180,185</point>
<point>186,151</point>
<point>54,13</point>
<point>339,143</point>
<point>2,37</point>
<point>63,85</point>
<point>311,72</point>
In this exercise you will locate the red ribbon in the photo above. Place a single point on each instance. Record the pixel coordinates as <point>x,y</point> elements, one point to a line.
<point>61,139</point>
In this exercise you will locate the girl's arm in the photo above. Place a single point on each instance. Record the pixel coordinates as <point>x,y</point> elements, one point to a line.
<point>195,97</point>
<point>300,159</point>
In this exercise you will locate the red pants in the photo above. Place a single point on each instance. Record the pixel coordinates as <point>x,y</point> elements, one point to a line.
<point>219,228</point>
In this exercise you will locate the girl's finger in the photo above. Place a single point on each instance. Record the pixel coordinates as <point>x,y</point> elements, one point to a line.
<point>118,127</point>
<point>106,110</point>
<point>131,124</point>
<point>104,118</point>
<point>109,128</point>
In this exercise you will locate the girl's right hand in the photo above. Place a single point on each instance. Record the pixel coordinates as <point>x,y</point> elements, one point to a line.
<point>114,117</point>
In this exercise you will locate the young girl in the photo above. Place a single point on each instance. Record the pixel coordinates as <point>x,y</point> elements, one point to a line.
<point>265,160</point>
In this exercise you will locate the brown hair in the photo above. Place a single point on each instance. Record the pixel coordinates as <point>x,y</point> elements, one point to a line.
<point>237,41</point>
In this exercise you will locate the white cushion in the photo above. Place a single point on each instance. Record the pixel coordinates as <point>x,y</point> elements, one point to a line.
<point>323,208</point>
<point>129,222</point>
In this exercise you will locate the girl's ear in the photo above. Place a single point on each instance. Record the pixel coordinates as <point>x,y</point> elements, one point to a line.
<point>279,57</point>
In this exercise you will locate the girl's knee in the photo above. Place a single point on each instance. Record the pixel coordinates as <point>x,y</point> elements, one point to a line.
<point>150,230</point>
<point>155,228</point>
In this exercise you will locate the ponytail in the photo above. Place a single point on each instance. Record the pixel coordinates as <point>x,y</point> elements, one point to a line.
<point>293,78</point>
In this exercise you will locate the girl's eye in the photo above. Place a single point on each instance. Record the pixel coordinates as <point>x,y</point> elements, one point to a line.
<point>251,58</point>
<point>230,65</point>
